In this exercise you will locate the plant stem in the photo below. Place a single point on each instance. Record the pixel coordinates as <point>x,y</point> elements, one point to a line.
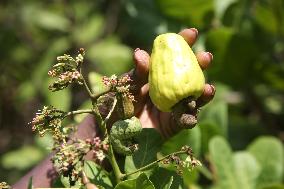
<point>113,162</point>
<point>111,155</point>
<point>99,118</point>
<point>96,96</point>
<point>86,85</point>
<point>111,110</point>
<point>79,112</point>
<point>103,127</point>
<point>153,163</point>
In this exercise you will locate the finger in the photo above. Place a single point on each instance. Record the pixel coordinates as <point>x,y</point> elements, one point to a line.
<point>207,95</point>
<point>141,98</point>
<point>140,74</point>
<point>204,59</point>
<point>190,35</point>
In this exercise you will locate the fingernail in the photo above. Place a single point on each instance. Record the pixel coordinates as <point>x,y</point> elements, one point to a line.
<point>213,90</point>
<point>210,55</point>
<point>207,96</point>
<point>194,30</point>
<point>137,49</point>
<point>141,56</point>
<point>209,91</point>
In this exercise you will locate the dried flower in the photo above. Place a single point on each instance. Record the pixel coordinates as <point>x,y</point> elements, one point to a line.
<point>66,71</point>
<point>4,185</point>
<point>68,158</point>
<point>47,119</point>
<point>119,85</point>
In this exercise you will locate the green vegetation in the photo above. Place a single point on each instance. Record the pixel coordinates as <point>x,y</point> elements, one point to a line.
<point>239,134</point>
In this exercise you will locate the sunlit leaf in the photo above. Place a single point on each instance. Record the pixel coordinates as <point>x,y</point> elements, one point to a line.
<point>187,137</point>
<point>247,170</point>
<point>265,17</point>
<point>96,83</point>
<point>221,7</point>
<point>59,99</point>
<point>269,153</point>
<point>89,30</point>
<point>141,182</point>
<point>221,157</point>
<point>192,12</point>
<point>165,179</point>
<point>23,158</point>
<point>97,175</point>
<point>149,144</point>
<point>110,57</point>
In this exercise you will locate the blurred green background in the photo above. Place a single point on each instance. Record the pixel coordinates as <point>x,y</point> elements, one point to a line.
<point>245,36</point>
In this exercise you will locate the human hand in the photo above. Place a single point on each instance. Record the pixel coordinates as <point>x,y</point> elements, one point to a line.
<point>149,115</point>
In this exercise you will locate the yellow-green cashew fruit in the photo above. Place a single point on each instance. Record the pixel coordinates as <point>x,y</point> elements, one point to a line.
<point>174,72</point>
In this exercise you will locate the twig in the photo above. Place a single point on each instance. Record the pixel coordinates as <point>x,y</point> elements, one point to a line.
<point>111,110</point>
<point>103,127</point>
<point>153,163</point>
<point>79,112</point>
<point>86,85</point>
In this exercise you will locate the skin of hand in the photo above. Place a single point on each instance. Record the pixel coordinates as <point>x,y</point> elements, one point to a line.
<point>148,114</point>
<point>150,117</point>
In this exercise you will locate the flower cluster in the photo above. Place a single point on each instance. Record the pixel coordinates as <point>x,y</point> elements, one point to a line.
<point>120,85</point>
<point>68,158</point>
<point>189,163</point>
<point>66,71</point>
<point>47,119</point>
<point>4,185</point>
<point>99,148</point>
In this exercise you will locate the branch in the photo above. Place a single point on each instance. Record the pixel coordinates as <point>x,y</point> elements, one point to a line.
<point>153,163</point>
<point>111,110</point>
<point>79,112</point>
<point>103,127</point>
<point>86,85</point>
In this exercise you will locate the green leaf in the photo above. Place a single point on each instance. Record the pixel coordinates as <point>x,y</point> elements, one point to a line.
<point>30,184</point>
<point>141,182</point>
<point>213,44</point>
<point>222,159</point>
<point>25,92</point>
<point>191,177</point>
<point>59,99</point>
<point>149,142</point>
<point>221,7</point>
<point>65,181</point>
<point>85,105</point>
<point>110,57</point>
<point>270,155</point>
<point>95,80</point>
<point>42,17</point>
<point>189,137</point>
<point>247,170</point>
<point>89,30</point>
<point>22,158</point>
<point>191,12</point>
<point>163,178</point>
<point>97,175</point>
<point>51,21</point>
<point>274,186</point>
<point>216,113</point>
<point>208,131</point>
<point>265,17</point>
<point>45,143</point>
